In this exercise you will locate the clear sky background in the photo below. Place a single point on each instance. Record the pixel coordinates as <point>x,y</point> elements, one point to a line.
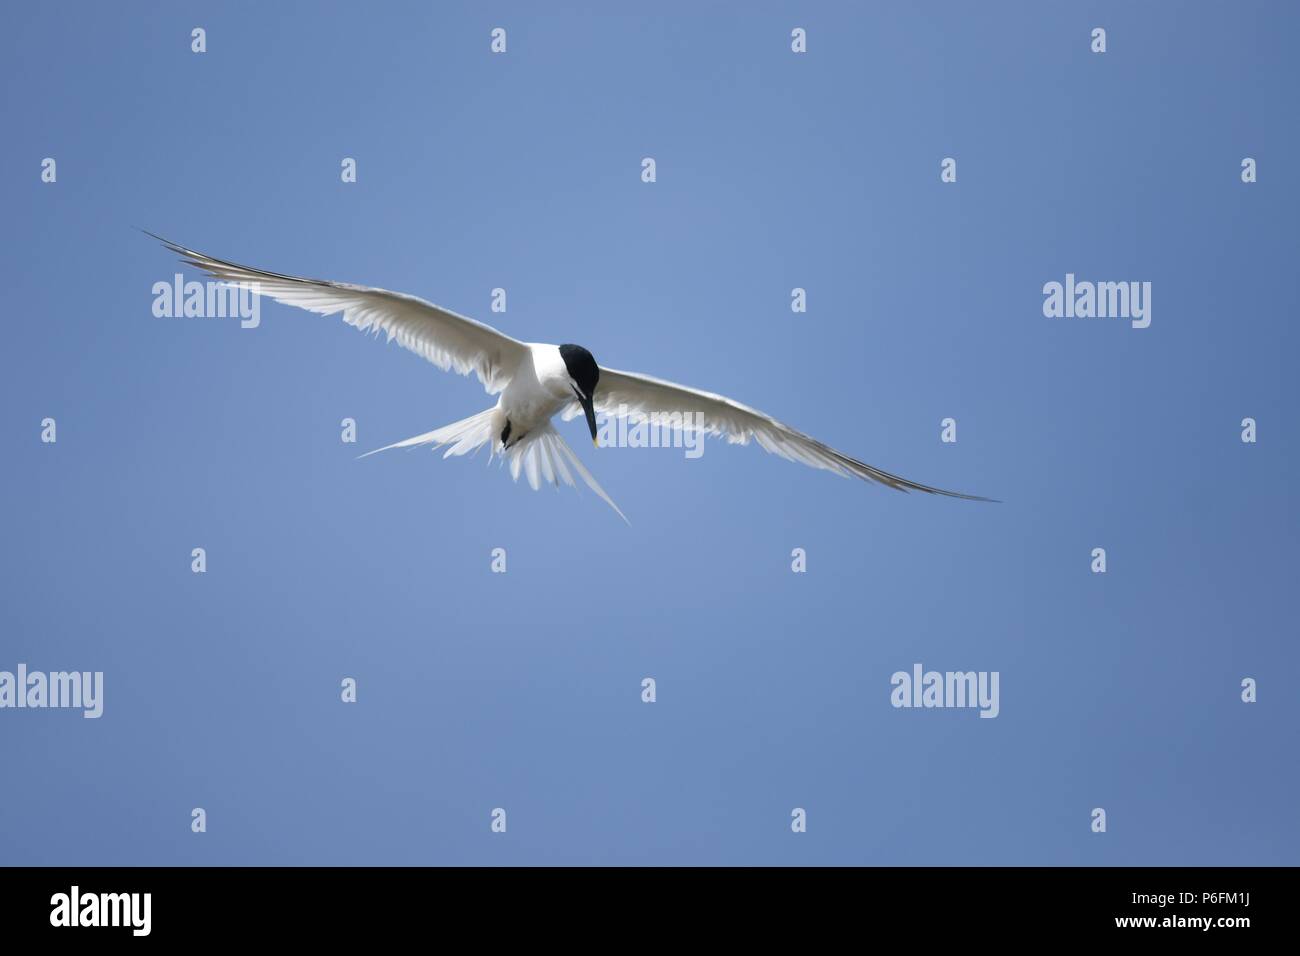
<point>523,690</point>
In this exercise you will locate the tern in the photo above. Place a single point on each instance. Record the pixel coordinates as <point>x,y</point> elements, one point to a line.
<point>535,382</point>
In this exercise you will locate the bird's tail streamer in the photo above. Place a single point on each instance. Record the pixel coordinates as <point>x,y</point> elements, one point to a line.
<point>544,454</point>
<point>463,436</point>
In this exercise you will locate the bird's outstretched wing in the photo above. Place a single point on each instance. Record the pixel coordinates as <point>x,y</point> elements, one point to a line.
<point>639,396</point>
<point>448,340</point>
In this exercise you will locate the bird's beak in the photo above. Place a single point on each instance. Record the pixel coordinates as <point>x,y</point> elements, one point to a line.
<point>590,409</point>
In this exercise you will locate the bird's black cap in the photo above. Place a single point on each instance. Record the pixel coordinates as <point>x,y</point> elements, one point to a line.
<point>582,367</point>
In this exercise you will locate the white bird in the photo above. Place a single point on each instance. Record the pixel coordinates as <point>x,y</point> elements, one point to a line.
<point>535,382</point>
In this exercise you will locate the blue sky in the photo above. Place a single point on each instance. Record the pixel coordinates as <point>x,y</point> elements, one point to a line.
<point>523,690</point>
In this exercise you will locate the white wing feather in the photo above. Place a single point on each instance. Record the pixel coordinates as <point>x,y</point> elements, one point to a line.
<point>639,396</point>
<point>448,340</point>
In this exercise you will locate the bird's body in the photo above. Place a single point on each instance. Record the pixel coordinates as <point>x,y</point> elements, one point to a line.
<point>534,382</point>
<point>538,391</point>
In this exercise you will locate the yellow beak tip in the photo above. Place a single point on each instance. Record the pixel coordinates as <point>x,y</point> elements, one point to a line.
<point>595,443</point>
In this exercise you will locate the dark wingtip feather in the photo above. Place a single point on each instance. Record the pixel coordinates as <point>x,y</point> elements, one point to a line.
<point>174,247</point>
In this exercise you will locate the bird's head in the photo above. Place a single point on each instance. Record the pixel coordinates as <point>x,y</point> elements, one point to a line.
<point>584,373</point>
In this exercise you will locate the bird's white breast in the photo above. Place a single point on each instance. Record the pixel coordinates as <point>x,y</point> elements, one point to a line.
<point>550,370</point>
<point>538,390</point>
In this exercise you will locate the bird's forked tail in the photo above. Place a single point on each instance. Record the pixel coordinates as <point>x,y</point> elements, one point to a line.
<point>542,454</point>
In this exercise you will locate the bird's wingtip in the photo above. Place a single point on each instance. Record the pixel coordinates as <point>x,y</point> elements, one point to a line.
<point>173,246</point>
